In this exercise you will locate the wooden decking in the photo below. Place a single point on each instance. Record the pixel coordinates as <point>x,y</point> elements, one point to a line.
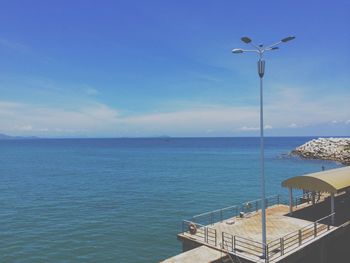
<point>277,224</point>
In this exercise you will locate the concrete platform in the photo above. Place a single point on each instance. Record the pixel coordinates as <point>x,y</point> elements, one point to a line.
<point>202,254</point>
<point>243,235</point>
<point>277,224</point>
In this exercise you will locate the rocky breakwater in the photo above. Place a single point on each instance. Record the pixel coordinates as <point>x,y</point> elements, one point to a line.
<point>335,149</point>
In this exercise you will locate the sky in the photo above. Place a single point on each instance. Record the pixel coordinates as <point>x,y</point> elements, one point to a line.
<point>157,67</point>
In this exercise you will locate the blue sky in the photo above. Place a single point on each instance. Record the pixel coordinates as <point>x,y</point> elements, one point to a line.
<point>148,68</point>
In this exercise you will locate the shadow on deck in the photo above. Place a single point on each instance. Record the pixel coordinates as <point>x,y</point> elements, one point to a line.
<point>322,209</point>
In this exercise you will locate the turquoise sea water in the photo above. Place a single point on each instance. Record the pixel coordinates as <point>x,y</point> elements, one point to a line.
<point>122,200</point>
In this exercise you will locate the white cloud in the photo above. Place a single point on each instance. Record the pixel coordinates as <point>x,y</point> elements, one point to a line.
<point>290,105</point>
<point>91,91</point>
<point>13,45</point>
<point>99,118</point>
<point>192,121</point>
<point>6,105</point>
<point>285,109</point>
<point>25,128</point>
<point>245,128</point>
<point>26,118</point>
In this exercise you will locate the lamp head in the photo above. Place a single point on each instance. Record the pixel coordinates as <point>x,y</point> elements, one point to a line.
<point>246,40</point>
<point>284,40</point>
<point>237,51</point>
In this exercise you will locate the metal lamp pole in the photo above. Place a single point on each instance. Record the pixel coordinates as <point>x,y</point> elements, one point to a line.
<point>260,50</point>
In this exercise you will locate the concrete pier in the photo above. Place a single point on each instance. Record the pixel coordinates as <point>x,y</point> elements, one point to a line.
<point>291,238</point>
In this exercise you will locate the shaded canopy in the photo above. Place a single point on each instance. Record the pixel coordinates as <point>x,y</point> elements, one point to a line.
<point>330,181</point>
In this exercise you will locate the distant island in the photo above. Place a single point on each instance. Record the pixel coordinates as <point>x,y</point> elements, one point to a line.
<point>9,137</point>
<point>334,149</point>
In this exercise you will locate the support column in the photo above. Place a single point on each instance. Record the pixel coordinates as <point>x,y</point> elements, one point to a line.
<point>313,197</point>
<point>332,207</point>
<point>290,200</point>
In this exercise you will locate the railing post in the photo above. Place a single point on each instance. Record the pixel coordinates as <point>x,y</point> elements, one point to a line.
<point>215,238</point>
<point>266,253</point>
<point>232,249</point>
<point>299,237</point>
<point>205,235</point>
<point>234,243</point>
<point>282,246</point>
<point>211,218</point>
<point>315,229</point>
<point>332,208</point>
<point>223,239</point>
<point>183,226</point>
<point>221,215</point>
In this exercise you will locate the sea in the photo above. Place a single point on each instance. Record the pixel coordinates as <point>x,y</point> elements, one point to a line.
<point>123,200</point>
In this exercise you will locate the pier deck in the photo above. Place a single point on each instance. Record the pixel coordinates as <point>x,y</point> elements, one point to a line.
<point>241,236</point>
<point>277,225</point>
<point>307,228</point>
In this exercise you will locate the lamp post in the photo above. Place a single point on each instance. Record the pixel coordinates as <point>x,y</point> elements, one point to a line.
<point>260,50</point>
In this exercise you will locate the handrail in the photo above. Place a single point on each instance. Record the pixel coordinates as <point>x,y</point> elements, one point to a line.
<point>248,239</point>
<point>214,211</point>
<point>323,218</point>
<point>205,234</point>
<point>293,240</point>
<point>219,215</point>
<point>237,243</point>
<point>233,206</point>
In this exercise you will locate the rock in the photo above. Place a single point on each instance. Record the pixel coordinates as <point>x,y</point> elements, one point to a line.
<point>334,149</point>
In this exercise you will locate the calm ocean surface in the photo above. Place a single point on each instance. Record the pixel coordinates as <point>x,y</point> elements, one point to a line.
<point>122,200</point>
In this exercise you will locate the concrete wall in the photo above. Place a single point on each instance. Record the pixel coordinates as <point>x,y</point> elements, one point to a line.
<point>333,248</point>
<point>188,244</point>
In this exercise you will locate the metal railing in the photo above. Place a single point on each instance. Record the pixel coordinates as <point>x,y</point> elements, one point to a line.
<point>274,249</point>
<point>219,215</point>
<point>280,246</point>
<point>291,241</point>
<point>233,243</point>
<point>242,244</point>
<point>202,233</point>
<point>299,200</point>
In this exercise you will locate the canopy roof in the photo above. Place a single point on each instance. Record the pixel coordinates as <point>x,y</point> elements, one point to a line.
<point>330,181</point>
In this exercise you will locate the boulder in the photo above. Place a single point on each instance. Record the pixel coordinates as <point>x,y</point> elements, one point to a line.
<point>334,149</point>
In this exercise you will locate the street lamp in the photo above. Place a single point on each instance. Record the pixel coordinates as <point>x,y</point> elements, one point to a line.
<point>260,50</point>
